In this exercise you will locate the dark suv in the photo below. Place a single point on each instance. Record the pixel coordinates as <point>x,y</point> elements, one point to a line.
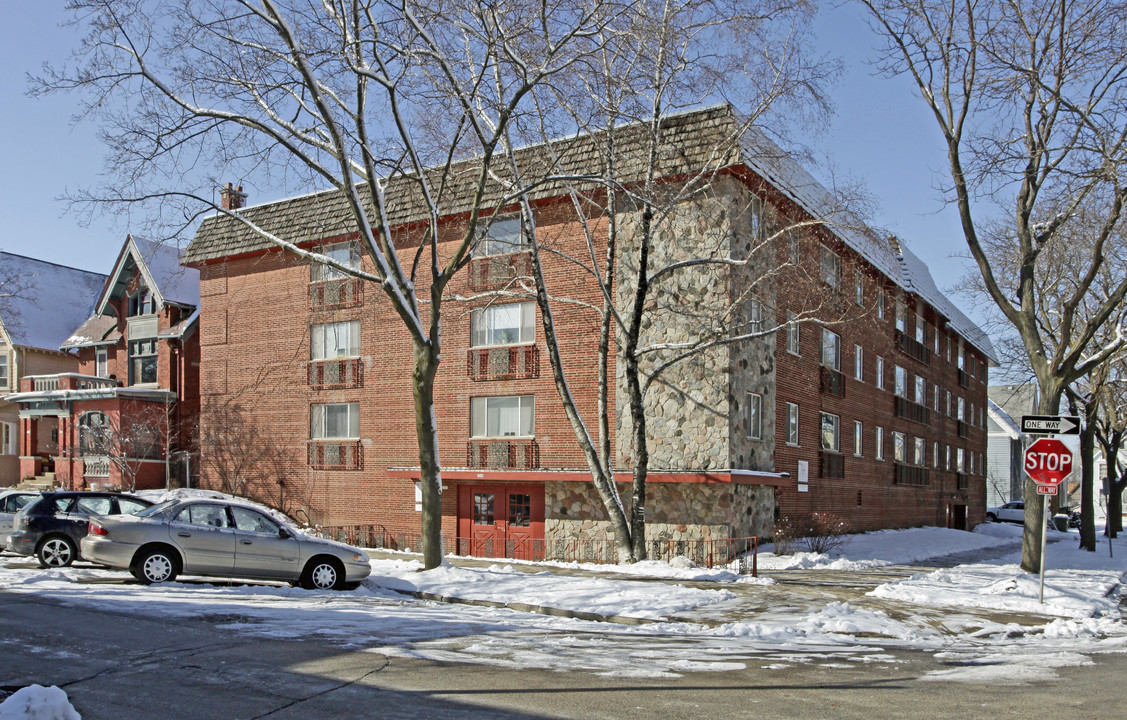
<point>51,526</point>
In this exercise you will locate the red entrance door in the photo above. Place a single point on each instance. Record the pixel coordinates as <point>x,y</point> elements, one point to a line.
<point>499,521</point>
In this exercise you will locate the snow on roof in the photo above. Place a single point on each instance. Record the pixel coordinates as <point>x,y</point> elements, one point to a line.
<point>57,299</point>
<point>917,278</point>
<point>1003,420</point>
<point>174,282</point>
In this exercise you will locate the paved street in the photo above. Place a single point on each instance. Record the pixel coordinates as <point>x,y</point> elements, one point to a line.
<point>125,667</point>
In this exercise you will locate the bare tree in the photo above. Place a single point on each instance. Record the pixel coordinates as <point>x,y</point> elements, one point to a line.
<point>381,100</point>
<point>653,60</point>
<point>1029,100</point>
<point>127,440</point>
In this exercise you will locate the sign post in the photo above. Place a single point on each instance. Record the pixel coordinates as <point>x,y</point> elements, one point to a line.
<point>1047,462</point>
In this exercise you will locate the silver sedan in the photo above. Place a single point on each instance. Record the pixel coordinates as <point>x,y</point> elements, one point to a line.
<point>220,539</point>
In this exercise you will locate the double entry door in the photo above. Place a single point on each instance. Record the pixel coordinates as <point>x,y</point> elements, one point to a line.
<point>501,521</point>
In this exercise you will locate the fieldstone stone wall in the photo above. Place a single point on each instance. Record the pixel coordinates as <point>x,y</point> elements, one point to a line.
<point>687,409</point>
<point>676,511</point>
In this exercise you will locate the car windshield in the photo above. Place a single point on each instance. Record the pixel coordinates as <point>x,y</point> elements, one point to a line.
<point>156,509</point>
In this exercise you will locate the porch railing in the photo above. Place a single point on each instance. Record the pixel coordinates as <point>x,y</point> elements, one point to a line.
<point>520,454</point>
<point>346,372</point>
<point>503,363</point>
<point>96,467</point>
<point>336,455</point>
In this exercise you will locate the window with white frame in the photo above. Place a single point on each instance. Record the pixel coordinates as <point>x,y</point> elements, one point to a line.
<point>346,254</point>
<point>900,382</point>
<point>8,438</point>
<point>503,416</point>
<point>501,236</point>
<point>948,403</point>
<point>937,335</point>
<point>901,316</point>
<point>921,390</point>
<point>878,444</point>
<point>880,373</point>
<point>947,456</point>
<point>960,460</point>
<point>101,362</point>
<point>754,416</point>
<point>859,363</point>
<point>830,432</point>
<point>512,324</point>
<point>335,340</point>
<point>899,447</point>
<point>831,349</point>
<point>830,265</point>
<point>755,315</point>
<point>792,333</point>
<point>935,455</point>
<point>882,305</point>
<point>859,288</point>
<point>960,409</point>
<point>921,329</point>
<point>949,343</point>
<point>5,375</point>
<point>971,465</point>
<point>962,355</point>
<point>919,451</point>
<point>935,397</point>
<point>334,421</point>
<point>858,438</point>
<point>792,424</point>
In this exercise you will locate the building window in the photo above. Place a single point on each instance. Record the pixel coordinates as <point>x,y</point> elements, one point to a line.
<point>921,330</point>
<point>858,438</point>
<point>901,317</point>
<point>101,362</point>
<point>878,441</point>
<point>948,403</point>
<point>935,396</point>
<point>142,362</point>
<point>502,416</point>
<point>960,460</point>
<point>335,340</point>
<point>5,378</point>
<point>501,237</point>
<point>792,424</point>
<point>937,335</point>
<point>345,253</point>
<point>754,416</point>
<point>792,246</point>
<point>756,219</point>
<point>880,373</point>
<point>960,409</point>
<point>900,382</point>
<point>831,350</point>
<point>882,305</point>
<point>831,432</point>
<point>503,325</point>
<point>792,333</point>
<point>919,451</point>
<point>93,433</point>
<point>859,363</point>
<point>921,390</point>
<point>337,421</point>
<point>899,447</point>
<point>859,288</point>
<point>755,315</point>
<point>947,454</point>
<point>142,303</point>
<point>935,455</point>
<point>831,267</point>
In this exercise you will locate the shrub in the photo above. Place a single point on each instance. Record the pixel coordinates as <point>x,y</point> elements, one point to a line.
<point>825,532</point>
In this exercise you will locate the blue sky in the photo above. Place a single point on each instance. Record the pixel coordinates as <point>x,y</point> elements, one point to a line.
<point>882,135</point>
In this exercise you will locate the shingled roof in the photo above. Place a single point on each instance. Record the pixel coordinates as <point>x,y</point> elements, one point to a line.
<point>697,142</point>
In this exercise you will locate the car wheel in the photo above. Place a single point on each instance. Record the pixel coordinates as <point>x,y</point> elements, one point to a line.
<point>57,551</point>
<point>323,574</point>
<point>991,517</point>
<point>156,566</point>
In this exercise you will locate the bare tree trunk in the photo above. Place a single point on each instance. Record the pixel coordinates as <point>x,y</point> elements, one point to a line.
<point>430,476</point>
<point>1051,392</point>
<point>637,399</point>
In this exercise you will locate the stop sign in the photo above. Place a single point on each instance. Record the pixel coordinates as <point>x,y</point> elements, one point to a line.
<point>1048,461</point>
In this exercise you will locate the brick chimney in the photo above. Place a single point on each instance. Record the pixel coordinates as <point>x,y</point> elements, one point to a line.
<point>233,197</point>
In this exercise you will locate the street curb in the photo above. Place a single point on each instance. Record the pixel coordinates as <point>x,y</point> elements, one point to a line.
<point>522,607</point>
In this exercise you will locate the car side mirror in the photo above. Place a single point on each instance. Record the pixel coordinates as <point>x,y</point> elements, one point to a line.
<point>284,533</point>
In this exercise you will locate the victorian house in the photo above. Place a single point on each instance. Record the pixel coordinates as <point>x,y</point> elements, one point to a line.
<point>42,304</point>
<point>125,417</point>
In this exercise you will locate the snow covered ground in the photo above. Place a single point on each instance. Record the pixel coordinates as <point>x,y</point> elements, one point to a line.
<point>984,617</point>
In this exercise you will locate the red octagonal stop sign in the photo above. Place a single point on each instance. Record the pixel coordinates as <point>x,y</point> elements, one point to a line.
<point>1048,461</point>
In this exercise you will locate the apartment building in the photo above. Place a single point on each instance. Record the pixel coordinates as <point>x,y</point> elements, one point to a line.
<point>863,394</point>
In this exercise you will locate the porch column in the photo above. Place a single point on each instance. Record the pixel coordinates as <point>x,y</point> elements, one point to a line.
<point>29,436</point>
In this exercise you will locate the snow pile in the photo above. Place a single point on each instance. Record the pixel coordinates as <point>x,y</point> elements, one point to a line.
<point>36,702</point>
<point>507,586</point>
<point>887,547</point>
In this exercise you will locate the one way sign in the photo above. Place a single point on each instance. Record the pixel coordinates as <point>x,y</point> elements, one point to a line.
<point>1050,424</point>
